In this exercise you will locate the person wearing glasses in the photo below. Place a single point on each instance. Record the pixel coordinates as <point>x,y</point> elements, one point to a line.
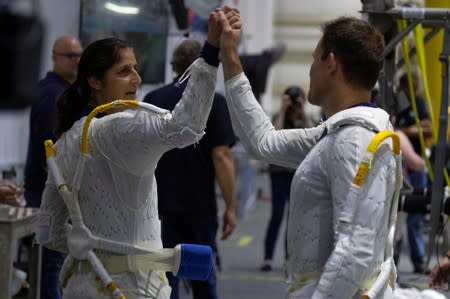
<point>66,53</point>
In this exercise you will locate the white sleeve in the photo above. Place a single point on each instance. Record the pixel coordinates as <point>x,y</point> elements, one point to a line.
<point>135,140</point>
<point>192,111</point>
<point>361,217</point>
<point>255,130</point>
<point>54,213</point>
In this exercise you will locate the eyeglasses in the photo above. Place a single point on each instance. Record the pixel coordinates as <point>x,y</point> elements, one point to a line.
<point>69,55</point>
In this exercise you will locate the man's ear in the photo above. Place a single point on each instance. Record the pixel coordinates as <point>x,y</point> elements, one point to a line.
<point>332,63</point>
<point>94,83</point>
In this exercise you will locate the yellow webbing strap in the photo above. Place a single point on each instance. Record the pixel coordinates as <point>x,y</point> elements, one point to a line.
<point>302,280</point>
<point>49,150</point>
<point>364,166</point>
<point>85,150</point>
<point>97,110</point>
<point>358,180</point>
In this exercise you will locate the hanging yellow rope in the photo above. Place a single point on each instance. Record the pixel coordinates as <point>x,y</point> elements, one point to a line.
<point>418,35</point>
<point>420,50</point>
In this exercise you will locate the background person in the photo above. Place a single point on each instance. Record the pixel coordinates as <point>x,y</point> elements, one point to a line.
<point>406,122</point>
<point>66,53</point>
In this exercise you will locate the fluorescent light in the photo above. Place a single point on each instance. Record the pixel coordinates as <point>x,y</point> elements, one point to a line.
<point>129,10</point>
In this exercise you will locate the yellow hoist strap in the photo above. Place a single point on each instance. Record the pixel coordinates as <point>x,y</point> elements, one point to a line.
<point>420,50</point>
<point>358,180</point>
<point>97,110</point>
<point>50,152</point>
<point>364,166</point>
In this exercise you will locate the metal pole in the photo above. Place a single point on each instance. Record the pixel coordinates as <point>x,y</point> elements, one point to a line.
<point>386,78</point>
<point>437,189</point>
<point>426,39</point>
<point>419,13</point>
<point>396,39</point>
<point>441,146</point>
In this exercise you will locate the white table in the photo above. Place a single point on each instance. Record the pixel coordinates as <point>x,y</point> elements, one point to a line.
<point>16,223</point>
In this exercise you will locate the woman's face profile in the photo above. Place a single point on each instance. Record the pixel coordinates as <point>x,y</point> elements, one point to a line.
<point>122,80</point>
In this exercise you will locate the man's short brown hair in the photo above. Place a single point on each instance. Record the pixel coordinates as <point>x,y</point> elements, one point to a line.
<point>358,46</point>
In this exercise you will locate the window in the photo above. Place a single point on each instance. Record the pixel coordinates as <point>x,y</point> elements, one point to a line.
<point>142,23</point>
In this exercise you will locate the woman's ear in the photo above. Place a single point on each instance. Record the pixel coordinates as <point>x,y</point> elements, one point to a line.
<point>94,83</point>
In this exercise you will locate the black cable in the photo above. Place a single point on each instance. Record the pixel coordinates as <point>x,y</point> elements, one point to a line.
<point>439,235</point>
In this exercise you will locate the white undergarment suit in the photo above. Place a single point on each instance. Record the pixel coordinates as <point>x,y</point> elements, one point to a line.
<point>118,196</point>
<point>336,245</point>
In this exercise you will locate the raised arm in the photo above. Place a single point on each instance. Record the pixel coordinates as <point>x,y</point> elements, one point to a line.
<point>191,113</point>
<point>255,130</point>
<point>139,139</point>
<point>251,124</point>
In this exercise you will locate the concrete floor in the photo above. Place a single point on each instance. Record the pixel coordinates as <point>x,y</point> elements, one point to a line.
<point>241,256</point>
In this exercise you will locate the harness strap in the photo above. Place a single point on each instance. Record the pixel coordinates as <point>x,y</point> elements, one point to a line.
<point>310,277</point>
<point>387,274</point>
<point>303,280</point>
<point>123,263</point>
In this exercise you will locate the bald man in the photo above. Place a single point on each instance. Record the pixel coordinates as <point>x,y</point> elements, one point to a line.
<point>66,53</point>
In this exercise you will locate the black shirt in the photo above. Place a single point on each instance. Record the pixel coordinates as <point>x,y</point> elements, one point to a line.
<point>406,118</point>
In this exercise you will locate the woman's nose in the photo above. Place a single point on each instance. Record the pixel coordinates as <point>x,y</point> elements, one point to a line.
<point>136,78</point>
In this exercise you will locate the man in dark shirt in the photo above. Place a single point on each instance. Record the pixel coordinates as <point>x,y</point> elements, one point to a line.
<point>406,122</point>
<point>186,177</point>
<point>405,118</point>
<point>66,53</point>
